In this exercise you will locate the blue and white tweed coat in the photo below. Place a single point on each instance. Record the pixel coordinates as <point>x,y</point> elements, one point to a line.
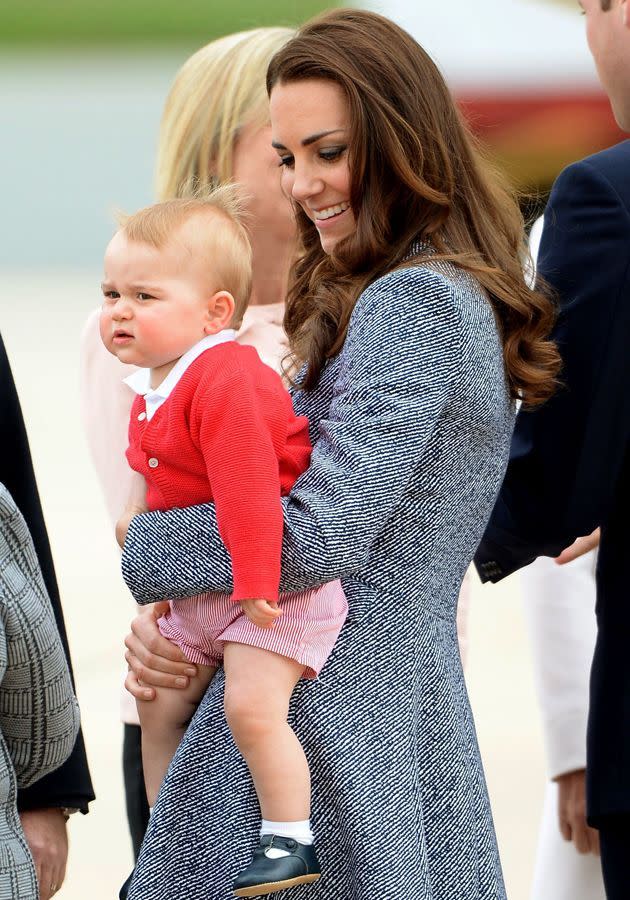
<point>411,427</point>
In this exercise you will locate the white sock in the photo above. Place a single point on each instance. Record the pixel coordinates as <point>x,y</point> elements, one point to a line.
<point>299,831</point>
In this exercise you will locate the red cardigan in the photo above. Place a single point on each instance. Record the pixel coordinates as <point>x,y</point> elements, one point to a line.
<point>226,434</point>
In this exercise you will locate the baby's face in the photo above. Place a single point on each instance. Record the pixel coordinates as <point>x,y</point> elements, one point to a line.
<point>155,302</point>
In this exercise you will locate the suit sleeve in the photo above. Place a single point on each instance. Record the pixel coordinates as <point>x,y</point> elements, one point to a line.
<point>402,352</point>
<point>567,457</point>
<point>70,785</point>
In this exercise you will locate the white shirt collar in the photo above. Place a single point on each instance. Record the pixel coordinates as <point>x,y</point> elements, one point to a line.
<point>140,381</point>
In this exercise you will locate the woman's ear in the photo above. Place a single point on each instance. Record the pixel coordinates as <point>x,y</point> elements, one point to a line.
<point>220,312</point>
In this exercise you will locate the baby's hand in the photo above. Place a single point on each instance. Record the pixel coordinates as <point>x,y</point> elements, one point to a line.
<point>261,612</point>
<point>122,525</point>
<point>136,505</point>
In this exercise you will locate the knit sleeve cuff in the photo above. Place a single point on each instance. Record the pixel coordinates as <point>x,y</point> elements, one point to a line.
<point>254,586</point>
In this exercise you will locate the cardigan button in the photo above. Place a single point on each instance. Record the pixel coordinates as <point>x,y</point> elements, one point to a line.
<point>153,463</point>
<point>142,417</point>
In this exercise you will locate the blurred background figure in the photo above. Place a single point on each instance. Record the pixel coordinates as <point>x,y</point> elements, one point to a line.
<point>82,89</point>
<point>559,608</point>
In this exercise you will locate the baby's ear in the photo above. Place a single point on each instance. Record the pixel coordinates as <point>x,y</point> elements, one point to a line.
<point>220,312</point>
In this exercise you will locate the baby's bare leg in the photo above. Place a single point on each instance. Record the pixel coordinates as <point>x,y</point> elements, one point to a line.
<point>258,687</point>
<point>164,721</point>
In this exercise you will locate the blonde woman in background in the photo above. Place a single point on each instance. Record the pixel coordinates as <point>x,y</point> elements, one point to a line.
<point>214,129</point>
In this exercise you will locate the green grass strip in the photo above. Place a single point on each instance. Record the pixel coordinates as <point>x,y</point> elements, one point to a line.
<point>91,22</point>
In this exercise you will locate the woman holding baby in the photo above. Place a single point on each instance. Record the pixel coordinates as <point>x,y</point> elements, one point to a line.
<point>412,333</point>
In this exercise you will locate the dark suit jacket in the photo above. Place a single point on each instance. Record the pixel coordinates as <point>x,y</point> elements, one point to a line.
<point>569,469</point>
<point>70,785</point>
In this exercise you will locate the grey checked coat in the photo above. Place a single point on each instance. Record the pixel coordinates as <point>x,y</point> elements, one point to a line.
<point>411,427</point>
<point>39,715</point>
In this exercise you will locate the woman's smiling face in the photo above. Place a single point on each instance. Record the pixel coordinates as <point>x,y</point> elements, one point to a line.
<point>310,132</point>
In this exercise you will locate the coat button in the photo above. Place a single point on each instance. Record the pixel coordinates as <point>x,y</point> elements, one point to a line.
<point>153,463</point>
<point>142,417</point>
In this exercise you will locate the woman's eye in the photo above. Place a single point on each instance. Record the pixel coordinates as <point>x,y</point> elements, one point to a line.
<point>332,154</point>
<point>285,161</point>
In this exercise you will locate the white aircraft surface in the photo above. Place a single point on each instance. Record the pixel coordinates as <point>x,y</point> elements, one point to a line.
<point>499,44</point>
<point>523,74</point>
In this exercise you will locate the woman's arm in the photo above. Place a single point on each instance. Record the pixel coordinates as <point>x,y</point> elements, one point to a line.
<point>39,715</point>
<point>397,368</point>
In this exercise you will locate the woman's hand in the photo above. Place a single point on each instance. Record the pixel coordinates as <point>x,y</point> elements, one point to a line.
<point>261,612</point>
<point>46,836</point>
<point>153,660</point>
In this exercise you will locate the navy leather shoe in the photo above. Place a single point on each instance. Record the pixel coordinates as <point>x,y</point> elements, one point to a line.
<point>265,875</point>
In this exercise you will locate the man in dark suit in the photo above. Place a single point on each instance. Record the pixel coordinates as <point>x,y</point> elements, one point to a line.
<point>569,470</point>
<point>44,806</point>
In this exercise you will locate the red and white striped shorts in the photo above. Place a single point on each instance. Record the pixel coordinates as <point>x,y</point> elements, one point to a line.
<point>306,631</point>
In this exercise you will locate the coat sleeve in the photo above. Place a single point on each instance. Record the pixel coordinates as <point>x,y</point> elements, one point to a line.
<point>567,457</point>
<point>39,715</point>
<point>397,369</point>
<point>70,785</point>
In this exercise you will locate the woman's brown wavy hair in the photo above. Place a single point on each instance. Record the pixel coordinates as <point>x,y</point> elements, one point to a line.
<point>416,174</point>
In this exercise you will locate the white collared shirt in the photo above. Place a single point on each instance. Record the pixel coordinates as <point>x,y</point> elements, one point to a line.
<point>140,381</point>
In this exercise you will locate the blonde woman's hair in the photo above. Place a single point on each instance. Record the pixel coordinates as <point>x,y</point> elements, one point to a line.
<point>219,235</point>
<point>217,91</point>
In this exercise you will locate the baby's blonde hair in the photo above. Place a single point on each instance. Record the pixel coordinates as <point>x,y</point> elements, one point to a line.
<point>219,234</point>
<point>220,89</point>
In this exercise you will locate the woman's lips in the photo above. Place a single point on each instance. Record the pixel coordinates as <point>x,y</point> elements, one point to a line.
<point>332,220</point>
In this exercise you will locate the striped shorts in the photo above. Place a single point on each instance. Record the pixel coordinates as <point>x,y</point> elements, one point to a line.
<point>306,631</point>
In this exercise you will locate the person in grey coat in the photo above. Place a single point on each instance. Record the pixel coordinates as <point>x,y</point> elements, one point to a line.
<point>415,331</point>
<point>39,715</point>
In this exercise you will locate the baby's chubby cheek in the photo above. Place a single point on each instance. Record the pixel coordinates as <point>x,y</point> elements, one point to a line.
<point>105,328</point>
